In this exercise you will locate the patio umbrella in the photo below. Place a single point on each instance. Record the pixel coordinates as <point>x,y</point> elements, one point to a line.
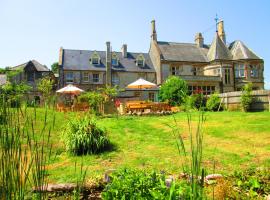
<point>70,89</point>
<point>141,84</point>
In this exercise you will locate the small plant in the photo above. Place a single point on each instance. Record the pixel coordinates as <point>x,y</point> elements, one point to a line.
<point>213,103</point>
<point>84,136</point>
<point>138,184</point>
<point>252,183</point>
<point>246,97</point>
<point>45,86</point>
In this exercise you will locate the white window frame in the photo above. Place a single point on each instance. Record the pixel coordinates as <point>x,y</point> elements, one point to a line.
<point>97,61</point>
<point>254,68</point>
<point>140,60</point>
<point>239,70</point>
<point>176,70</point>
<point>68,79</point>
<point>96,79</point>
<point>86,77</point>
<point>95,58</point>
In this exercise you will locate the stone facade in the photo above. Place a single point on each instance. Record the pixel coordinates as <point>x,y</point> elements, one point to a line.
<point>218,67</point>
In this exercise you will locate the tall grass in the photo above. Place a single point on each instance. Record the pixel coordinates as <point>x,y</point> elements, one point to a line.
<point>23,155</point>
<point>191,157</point>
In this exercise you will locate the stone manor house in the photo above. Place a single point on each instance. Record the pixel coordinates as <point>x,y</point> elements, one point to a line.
<point>218,67</point>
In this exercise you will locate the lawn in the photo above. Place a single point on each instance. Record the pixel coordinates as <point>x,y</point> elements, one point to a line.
<point>234,140</point>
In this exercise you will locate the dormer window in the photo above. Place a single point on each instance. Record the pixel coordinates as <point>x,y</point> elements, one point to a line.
<point>95,59</point>
<point>114,59</point>
<point>140,60</point>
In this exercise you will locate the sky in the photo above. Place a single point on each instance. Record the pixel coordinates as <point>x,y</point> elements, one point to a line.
<point>36,29</point>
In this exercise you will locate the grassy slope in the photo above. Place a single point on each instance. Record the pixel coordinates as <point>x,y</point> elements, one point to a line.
<point>234,139</point>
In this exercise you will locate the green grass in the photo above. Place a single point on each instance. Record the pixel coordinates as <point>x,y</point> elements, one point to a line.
<point>235,140</point>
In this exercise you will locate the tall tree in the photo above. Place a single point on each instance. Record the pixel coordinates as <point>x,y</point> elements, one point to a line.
<point>55,67</point>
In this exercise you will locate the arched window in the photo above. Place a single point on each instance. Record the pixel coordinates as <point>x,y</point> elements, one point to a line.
<point>140,60</point>
<point>95,58</point>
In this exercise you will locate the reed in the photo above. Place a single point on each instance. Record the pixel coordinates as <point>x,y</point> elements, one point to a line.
<point>23,156</point>
<point>191,156</point>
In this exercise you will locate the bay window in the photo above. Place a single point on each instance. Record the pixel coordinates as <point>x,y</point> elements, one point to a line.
<point>239,70</point>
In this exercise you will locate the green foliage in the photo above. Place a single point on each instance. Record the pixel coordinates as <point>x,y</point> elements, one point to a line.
<point>195,101</point>
<point>13,93</point>
<point>251,183</point>
<point>84,136</point>
<point>45,86</point>
<point>95,99</point>
<point>213,103</point>
<point>23,157</point>
<point>246,97</point>
<point>55,68</point>
<point>192,163</point>
<point>109,92</point>
<point>174,90</point>
<point>138,184</point>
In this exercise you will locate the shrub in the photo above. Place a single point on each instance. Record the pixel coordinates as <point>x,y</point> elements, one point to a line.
<point>195,101</point>
<point>213,103</point>
<point>138,184</point>
<point>246,97</point>
<point>84,136</point>
<point>174,90</point>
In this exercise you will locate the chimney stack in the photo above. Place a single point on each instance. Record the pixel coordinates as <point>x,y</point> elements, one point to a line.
<point>153,33</point>
<point>221,32</point>
<point>124,51</point>
<point>199,40</point>
<point>108,64</point>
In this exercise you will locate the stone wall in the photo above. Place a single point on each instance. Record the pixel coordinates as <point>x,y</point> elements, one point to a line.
<point>261,100</point>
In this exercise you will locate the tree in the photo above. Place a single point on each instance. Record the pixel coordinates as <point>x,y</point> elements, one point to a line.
<point>55,68</point>
<point>174,90</point>
<point>246,97</point>
<point>45,86</point>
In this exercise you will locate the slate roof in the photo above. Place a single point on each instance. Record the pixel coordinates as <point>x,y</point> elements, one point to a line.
<point>218,50</point>
<point>80,60</point>
<point>240,51</point>
<point>189,52</point>
<point>172,51</point>
<point>3,79</point>
<point>38,66</point>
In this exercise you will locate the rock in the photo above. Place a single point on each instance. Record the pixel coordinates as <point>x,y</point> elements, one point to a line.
<point>213,176</point>
<point>61,187</point>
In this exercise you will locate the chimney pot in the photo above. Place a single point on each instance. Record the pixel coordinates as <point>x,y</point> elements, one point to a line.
<point>199,40</point>
<point>154,33</point>
<point>221,32</point>
<point>124,51</point>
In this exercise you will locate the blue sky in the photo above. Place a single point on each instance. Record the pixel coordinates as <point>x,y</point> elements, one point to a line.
<point>35,29</point>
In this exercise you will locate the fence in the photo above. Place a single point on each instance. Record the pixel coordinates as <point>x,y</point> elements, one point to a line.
<point>261,100</point>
